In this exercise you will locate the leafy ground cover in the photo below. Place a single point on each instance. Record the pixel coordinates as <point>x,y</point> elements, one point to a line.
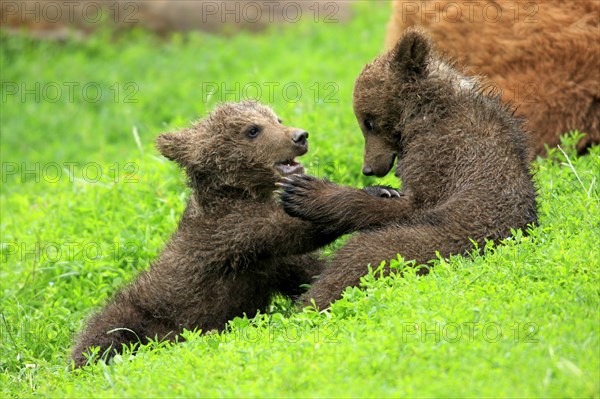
<point>86,202</point>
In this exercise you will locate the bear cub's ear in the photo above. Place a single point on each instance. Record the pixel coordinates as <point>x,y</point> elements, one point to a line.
<point>173,145</point>
<point>413,52</point>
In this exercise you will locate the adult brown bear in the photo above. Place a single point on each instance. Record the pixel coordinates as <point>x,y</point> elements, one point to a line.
<point>543,55</point>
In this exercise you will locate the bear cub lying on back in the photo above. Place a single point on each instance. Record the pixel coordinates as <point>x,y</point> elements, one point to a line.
<point>234,247</point>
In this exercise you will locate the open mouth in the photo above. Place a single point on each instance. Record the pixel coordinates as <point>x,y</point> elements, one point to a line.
<point>289,167</point>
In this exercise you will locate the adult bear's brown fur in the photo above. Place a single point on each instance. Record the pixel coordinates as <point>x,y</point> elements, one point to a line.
<point>544,55</point>
<point>234,247</point>
<point>461,157</point>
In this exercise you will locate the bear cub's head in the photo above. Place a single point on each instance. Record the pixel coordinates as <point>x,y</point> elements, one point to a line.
<point>239,145</point>
<point>401,93</point>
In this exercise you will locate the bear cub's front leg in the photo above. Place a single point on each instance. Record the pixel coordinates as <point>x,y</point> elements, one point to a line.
<point>340,209</point>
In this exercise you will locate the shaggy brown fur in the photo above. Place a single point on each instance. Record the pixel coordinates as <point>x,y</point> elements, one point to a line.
<point>461,157</point>
<point>234,247</point>
<point>544,55</point>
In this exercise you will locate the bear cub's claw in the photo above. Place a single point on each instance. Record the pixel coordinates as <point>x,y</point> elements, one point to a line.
<point>382,192</point>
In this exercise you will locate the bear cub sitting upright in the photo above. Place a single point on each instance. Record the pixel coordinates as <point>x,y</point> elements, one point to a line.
<point>460,154</point>
<point>234,247</point>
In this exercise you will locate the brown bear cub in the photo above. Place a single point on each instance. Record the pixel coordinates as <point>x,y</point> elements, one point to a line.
<point>234,247</point>
<point>461,157</point>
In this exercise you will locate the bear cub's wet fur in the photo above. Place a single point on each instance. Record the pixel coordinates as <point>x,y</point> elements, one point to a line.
<point>461,156</point>
<point>234,247</point>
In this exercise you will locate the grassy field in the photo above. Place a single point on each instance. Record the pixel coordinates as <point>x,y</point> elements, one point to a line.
<point>86,202</point>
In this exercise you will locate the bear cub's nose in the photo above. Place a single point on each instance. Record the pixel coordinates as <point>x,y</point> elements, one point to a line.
<point>299,137</point>
<point>367,171</point>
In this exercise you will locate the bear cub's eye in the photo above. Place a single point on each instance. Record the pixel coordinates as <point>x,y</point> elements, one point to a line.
<point>253,131</point>
<point>368,124</point>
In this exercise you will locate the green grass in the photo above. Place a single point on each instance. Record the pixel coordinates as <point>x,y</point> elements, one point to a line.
<point>521,320</point>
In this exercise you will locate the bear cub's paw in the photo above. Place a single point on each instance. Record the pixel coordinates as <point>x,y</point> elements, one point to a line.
<point>301,195</point>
